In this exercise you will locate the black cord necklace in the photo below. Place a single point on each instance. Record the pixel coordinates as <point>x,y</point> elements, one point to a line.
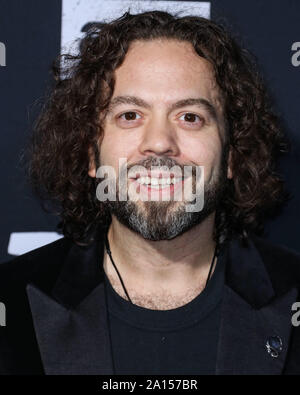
<point>112,261</point>
<point>124,288</point>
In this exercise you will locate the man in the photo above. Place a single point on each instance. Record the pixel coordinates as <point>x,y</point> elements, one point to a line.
<point>141,286</point>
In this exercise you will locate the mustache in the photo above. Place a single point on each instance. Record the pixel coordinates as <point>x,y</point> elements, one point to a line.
<point>165,162</point>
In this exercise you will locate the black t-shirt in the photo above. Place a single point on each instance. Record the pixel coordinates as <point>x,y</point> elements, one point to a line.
<point>183,340</point>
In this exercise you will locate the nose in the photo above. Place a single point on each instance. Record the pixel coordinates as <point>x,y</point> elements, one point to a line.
<point>159,138</point>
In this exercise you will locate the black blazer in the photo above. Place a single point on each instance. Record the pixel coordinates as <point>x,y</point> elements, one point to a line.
<point>56,316</point>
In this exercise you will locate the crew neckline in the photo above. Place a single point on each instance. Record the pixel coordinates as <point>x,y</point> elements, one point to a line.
<point>189,314</point>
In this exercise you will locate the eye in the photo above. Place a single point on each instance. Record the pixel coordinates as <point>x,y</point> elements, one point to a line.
<point>129,116</point>
<point>190,117</point>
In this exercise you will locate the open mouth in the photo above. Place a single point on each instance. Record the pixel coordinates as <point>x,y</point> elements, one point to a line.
<point>159,183</point>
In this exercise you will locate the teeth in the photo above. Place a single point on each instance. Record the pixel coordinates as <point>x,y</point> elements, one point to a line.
<point>156,182</point>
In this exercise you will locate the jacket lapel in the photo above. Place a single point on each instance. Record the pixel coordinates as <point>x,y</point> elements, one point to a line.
<point>71,324</point>
<point>72,341</point>
<point>251,315</point>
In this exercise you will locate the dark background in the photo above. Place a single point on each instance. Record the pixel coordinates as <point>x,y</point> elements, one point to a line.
<point>31,29</point>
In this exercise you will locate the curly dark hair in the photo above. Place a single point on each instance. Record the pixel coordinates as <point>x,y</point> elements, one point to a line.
<point>69,127</point>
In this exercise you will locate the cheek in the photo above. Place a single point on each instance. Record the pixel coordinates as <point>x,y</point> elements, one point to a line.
<point>205,152</point>
<point>113,148</point>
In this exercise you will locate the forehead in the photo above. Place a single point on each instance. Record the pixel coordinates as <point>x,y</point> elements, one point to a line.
<point>166,69</point>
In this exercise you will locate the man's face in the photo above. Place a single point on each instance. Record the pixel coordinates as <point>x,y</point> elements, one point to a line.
<point>153,122</point>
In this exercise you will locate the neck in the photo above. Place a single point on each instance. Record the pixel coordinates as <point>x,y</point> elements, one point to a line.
<point>152,267</point>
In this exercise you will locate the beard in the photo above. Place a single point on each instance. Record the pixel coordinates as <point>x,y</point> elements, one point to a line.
<point>164,220</point>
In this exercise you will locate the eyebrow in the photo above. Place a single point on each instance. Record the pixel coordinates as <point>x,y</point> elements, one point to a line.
<point>200,102</point>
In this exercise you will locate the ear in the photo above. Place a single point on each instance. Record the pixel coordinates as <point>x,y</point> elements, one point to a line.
<point>229,168</point>
<point>92,164</point>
